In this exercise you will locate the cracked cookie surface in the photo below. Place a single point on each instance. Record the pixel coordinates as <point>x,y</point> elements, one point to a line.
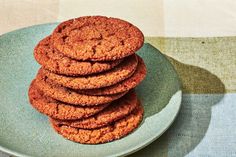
<point>57,109</point>
<point>97,38</point>
<point>50,58</point>
<point>122,86</point>
<point>115,111</point>
<point>105,134</point>
<point>124,70</point>
<point>58,92</point>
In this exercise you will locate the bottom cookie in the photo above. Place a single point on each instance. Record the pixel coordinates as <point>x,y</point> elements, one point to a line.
<point>109,133</point>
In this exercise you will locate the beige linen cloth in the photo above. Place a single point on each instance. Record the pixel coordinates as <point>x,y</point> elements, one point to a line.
<point>207,66</point>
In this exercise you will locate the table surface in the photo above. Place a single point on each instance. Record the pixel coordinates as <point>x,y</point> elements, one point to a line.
<point>206,64</point>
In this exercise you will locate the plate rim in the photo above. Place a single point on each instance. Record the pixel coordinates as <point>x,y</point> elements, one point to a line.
<point>123,153</point>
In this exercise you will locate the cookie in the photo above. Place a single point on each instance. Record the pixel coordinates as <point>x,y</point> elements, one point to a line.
<point>53,60</point>
<point>57,109</point>
<point>113,76</point>
<point>70,96</point>
<point>108,133</point>
<point>117,110</point>
<point>97,38</point>
<point>123,86</point>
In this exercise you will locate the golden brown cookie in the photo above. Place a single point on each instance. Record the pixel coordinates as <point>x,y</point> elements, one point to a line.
<point>97,38</point>
<point>70,96</point>
<point>117,110</point>
<point>122,86</point>
<point>108,133</point>
<point>124,70</point>
<point>53,60</point>
<point>57,109</point>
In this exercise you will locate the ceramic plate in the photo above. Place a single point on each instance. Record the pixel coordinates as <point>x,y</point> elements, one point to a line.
<point>25,132</point>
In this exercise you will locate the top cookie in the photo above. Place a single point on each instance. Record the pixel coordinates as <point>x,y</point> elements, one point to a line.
<point>97,38</point>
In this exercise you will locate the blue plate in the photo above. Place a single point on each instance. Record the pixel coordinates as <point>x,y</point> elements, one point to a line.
<point>25,132</point>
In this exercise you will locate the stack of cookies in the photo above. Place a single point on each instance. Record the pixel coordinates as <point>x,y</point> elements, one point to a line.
<point>86,82</point>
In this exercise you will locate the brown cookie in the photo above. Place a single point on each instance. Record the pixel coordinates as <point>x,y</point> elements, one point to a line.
<point>117,110</point>
<point>97,38</point>
<point>57,109</point>
<point>108,133</point>
<point>113,76</point>
<point>53,60</point>
<point>70,96</point>
<point>122,86</point>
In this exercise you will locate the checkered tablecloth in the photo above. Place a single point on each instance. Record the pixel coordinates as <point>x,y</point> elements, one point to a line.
<point>206,125</point>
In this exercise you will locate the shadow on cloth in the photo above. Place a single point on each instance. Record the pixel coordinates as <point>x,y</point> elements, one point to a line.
<point>194,117</point>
